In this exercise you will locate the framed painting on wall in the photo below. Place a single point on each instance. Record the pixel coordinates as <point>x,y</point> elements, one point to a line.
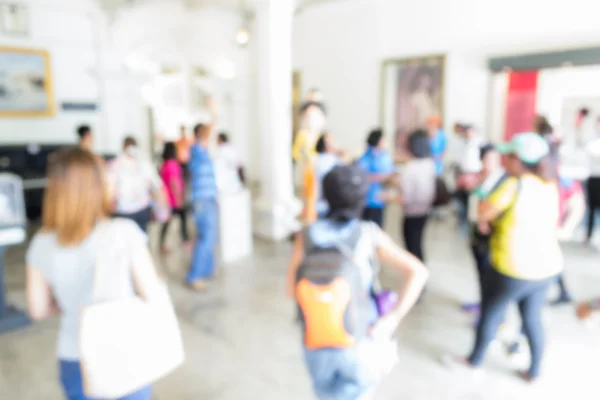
<point>25,83</point>
<point>412,91</point>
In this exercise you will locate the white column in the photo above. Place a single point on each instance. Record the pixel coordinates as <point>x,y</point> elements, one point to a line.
<point>274,209</point>
<point>100,34</point>
<point>187,96</point>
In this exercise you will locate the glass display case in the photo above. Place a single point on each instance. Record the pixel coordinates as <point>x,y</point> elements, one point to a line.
<point>12,204</point>
<point>12,210</point>
<point>13,224</point>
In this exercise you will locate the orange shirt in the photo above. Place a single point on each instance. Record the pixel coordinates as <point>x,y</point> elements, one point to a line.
<point>310,193</point>
<point>183,147</point>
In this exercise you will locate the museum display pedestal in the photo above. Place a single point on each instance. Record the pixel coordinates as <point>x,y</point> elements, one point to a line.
<point>235,226</point>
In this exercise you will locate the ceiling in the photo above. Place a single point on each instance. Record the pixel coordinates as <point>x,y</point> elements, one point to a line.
<point>234,5</point>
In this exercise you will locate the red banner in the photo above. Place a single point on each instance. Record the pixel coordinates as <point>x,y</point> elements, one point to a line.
<point>520,102</point>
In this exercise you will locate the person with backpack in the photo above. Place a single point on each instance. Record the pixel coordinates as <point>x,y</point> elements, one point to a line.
<point>526,257</point>
<point>333,278</point>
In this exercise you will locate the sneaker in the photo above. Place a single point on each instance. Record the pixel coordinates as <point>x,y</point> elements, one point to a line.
<point>562,300</point>
<point>526,376</point>
<point>199,285</point>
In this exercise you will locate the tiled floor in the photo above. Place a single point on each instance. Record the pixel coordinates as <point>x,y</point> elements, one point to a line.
<point>242,343</point>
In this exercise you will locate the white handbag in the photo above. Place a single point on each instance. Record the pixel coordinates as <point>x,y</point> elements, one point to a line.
<point>128,343</point>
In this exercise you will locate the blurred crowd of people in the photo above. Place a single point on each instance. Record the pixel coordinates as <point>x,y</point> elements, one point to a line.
<point>512,205</point>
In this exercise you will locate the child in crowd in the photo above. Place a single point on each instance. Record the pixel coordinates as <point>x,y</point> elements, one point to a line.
<point>172,176</point>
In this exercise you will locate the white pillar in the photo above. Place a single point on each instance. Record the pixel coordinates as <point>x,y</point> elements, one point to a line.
<point>273,210</point>
<point>99,31</point>
<point>187,96</point>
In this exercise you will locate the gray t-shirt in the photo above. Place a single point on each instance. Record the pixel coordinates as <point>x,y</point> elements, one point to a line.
<point>70,272</point>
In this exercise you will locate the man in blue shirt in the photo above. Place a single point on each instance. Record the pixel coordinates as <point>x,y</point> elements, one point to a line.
<point>204,201</point>
<point>378,163</point>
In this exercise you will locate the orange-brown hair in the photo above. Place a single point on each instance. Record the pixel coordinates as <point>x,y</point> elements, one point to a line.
<point>77,196</point>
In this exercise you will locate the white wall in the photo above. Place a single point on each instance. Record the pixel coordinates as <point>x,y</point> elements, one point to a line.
<point>73,33</point>
<point>336,48</point>
<point>340,46</point>
<point>167,33</point>
<point>66,33</point>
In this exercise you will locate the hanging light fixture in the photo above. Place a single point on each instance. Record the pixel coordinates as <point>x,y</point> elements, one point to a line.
<point>242,36</point>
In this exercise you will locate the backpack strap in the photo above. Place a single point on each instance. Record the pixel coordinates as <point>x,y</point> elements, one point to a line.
<point>348,245</point>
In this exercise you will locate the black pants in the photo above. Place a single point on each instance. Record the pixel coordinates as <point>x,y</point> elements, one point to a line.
<point>498,293</point>
<point>141,218</point>
<point>593,198</point>
<point>462,196</point>
<point>182,214</point>
<point>374,214</point>
<point>481,254</point>
<point>186,171</point>
<point>413,229</point>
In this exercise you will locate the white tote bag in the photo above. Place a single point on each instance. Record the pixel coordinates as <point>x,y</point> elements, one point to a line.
<point>128,343</point>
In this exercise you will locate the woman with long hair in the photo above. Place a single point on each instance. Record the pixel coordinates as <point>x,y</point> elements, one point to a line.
<point>525,255</point>
<point>61,258</point>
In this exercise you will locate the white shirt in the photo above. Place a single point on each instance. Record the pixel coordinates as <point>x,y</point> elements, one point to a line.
<point>227,163</point>
<point>227,155</point>
<point>133,180</point>
<point>470,155</point>
<point>593,152</point>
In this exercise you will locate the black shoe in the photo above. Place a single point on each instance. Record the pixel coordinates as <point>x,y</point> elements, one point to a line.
<point>562,299</point>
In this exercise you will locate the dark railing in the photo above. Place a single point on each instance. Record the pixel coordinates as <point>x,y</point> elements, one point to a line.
<point>29,162</point>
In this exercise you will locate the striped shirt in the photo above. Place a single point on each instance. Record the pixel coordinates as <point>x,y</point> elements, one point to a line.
<point>204,186</point>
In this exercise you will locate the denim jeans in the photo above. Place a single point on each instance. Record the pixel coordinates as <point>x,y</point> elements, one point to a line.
<point>141,218</point>
<point>498,293</point>
<point>72,383</point>
<point>203,259</point>
<point>336,374</point>
<point>481,254</point>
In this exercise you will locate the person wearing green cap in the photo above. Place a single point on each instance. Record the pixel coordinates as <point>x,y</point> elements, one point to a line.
<point>525,255</point>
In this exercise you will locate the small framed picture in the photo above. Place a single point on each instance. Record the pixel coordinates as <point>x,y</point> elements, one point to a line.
<point>14,19</point>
